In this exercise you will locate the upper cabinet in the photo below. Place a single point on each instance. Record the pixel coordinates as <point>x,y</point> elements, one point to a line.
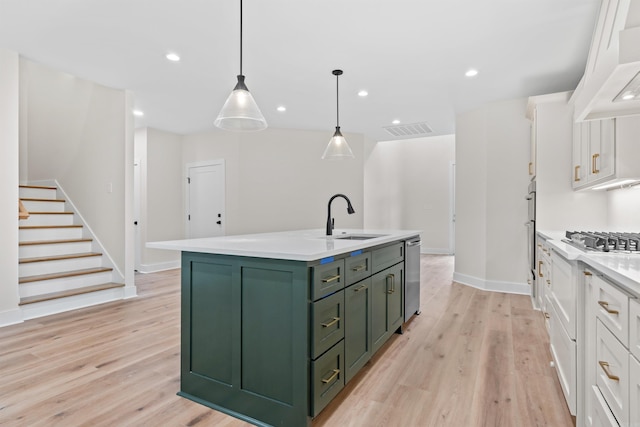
<point>613,66</point>
<point>606,153</point>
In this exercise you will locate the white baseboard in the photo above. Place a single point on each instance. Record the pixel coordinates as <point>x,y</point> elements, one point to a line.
<point>130,292</point>
<point>161,266</point>
<point>11,317</point>
<point>492,285</point>
<point>435,251</point>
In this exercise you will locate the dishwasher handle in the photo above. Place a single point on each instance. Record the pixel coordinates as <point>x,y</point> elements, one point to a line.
<point>414,243</point>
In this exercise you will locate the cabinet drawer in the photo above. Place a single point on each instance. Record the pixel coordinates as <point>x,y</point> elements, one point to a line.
<point>564,292</point>
<point>327,377</point>
<point>327,279</point>
<point>357,268</point>
<point>386,257</point>
<point>563,351</point>
<point>612,372</point>
<point>634,328</point>
<point>327,320</point>
<point>601,415</point>
<point>612,308</point>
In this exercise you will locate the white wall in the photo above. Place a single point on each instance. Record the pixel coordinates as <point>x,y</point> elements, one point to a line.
<point>275,179</point>
<point>624,209</point>
<point>407,186</point>
<point>76,133</point>
<point>162,183</point>
<point>9,125</point>
<point>492,145</point>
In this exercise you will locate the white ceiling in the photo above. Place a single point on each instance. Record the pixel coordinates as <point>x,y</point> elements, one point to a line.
<point>410,55</point>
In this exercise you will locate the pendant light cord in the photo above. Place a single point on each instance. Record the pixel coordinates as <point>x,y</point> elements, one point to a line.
<point>240,37</point>
<point>337,103</point>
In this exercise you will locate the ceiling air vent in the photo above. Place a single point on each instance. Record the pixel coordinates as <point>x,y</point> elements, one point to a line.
<point>413,129</point>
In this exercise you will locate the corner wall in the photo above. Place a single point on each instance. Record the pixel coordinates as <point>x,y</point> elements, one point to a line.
<point>492,151</point>
<point>9,146</point>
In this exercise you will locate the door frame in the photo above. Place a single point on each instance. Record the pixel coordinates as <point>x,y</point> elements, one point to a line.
<point>452,208</point>
<point>186,201</point>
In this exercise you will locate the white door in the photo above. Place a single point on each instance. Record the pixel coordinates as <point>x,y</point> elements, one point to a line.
<point>136,212</point>
<point>205,199</point>
<point>452,209</point>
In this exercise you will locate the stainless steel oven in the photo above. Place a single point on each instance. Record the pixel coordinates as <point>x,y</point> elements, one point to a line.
<point>531,236</point>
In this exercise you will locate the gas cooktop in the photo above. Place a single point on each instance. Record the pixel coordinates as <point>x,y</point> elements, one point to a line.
<point>604,241</point>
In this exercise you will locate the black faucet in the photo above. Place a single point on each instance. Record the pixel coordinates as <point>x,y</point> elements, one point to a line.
<point>329,219</point>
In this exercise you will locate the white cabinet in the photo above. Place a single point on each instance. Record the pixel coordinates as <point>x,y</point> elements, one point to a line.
<point>564,292</point>
<point>533,145</point>
<point>634,328</point>
<point>606,152</point>
<point>634,391</point>
<point>594,145</point>
<point>563,351</point>
<point>600,415</point>
<point>543,277</point>
<point>612,373</point>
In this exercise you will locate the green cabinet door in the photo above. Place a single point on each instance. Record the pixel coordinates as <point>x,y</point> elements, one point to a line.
<point>357,335</point>
<point>387,303</point>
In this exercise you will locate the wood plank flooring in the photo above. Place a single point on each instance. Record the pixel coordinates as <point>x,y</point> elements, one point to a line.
<point>472,358</point>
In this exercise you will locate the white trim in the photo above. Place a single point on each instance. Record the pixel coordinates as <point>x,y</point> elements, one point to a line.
<point>61,305</point>
<point>452,208</point>
<point>161,266</point>
<point>491,285</point>
<point>11,317</point>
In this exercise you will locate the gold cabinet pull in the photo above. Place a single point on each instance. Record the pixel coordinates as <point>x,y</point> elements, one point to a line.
<point>360,288</point>
<point>530,165</point>
<point>594,163</point>
<point>331,279</point>
<point>393,283</point>
<point>539,269</point>
<point>605,305</point>
<point>576,176</point>
<point>547,316</point>
<point>359,268</point>
<point>605,368</point>
<point>332,377</point>
<point>548,282</point>
<point>588,273</point>
<point>331,323</point>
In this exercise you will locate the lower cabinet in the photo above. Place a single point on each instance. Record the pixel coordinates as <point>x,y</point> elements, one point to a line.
<point>387,302</point>
<point>327,377</point>
<point>357,335</point>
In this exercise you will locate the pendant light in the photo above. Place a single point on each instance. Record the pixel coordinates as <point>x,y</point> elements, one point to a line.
<point>337,149</point>
<point>240,112</point>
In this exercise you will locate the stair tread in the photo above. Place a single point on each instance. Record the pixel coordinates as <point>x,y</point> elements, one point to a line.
<point>31,199</point>
<point>69,293</point>
<point>58,257</point>
<point>44,187</point>
<point>63,274</point>
<point>33,227</point>
<point>49,213</point>
<point>49,242</point>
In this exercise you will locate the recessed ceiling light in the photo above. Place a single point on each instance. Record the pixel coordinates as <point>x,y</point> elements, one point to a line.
<point>628,96</point>
<point>282,108</point>
<point>173,57</point>
<point>138,113</point>
<point>363,93</point>
<point>396,122</point>
<point>471,73</point>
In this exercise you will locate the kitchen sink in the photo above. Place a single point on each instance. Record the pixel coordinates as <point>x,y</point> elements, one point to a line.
<point>359,236</point>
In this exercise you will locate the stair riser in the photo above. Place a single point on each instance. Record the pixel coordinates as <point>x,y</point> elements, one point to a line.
<point>37,234</point>
<point>45,308</point>
<point>33,251</point>
<point>44,219</point>
<point>63,284</point>
<point>37,193</point>
<point>33,206</point>
<point>58,266</point>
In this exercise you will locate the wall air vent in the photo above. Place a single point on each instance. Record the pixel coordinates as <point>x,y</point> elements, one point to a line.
<point>413,129</point>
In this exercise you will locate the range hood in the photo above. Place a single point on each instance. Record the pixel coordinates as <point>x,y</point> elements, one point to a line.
<point>613,65</point>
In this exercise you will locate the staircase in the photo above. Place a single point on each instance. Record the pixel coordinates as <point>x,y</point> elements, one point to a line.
<point>61,267</point>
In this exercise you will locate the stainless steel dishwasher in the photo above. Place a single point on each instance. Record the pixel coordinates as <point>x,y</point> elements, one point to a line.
<point>412,277</point>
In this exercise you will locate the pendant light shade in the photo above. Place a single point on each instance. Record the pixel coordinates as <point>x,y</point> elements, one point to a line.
<point>240,112</point>
<point>337,149</point>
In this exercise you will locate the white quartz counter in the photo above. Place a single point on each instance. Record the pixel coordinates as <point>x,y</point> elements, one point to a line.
<point>619,267</point>
<point>300,245</point>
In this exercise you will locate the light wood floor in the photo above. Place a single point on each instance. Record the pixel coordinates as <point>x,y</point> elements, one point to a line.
<point>472,358</point>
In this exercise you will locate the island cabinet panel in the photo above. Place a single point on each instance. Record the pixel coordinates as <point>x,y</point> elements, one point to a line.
<point>243,322</point>
<point>387,303</point>
<point>387,256</point>
<point>357,267</point>
<point>327,377</point>
<point>357,335</point>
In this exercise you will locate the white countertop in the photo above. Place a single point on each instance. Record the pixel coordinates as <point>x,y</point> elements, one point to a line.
<point>299,245</point>
<point>621,268</point>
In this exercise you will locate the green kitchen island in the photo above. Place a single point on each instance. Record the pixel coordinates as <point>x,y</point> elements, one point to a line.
<point>274,325</point>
